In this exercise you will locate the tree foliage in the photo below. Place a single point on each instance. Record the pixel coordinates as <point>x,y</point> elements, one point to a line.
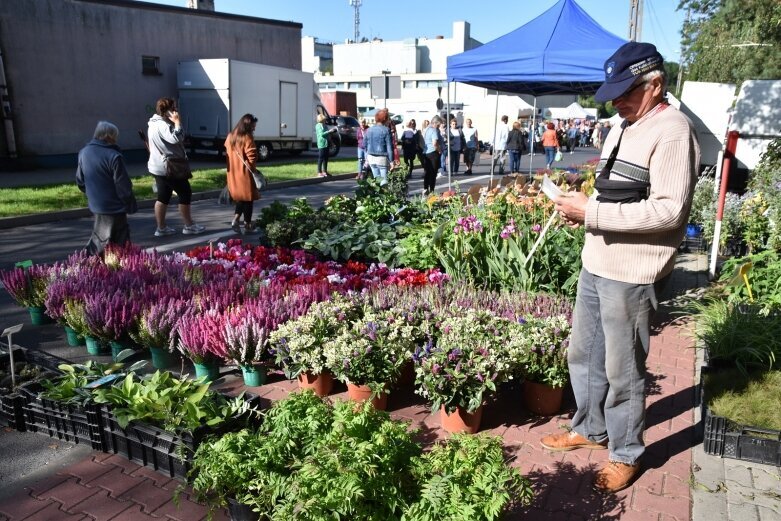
<point>730,41</point>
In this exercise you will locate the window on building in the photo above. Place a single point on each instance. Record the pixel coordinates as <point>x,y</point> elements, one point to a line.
<point>358,85</point>
<point>409,84</point>
<point>429,84</point>
<point>150,65</point>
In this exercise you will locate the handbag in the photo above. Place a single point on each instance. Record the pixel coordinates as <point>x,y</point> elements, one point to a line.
<point>558,156</point>
<point>177,168</point>
<point>225,196</point>
<point>261,183</point>
<point>612,191</point>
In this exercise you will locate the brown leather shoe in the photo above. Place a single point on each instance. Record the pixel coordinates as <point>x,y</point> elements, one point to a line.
<point>569,441</point>
<point>615,476</point>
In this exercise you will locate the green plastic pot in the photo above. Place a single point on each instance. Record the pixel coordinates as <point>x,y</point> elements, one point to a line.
<point>161,358</point>
<point>253,376</point>
<point>211,370</point>
<point>95,347</point>
<point>38,316</point>
<point>74,340</point>
<point>117,347</point>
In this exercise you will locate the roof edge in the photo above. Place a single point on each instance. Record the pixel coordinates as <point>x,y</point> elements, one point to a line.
<point>194,12</point>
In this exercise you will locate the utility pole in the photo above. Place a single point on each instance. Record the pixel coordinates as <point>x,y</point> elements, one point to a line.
<point>680,64</point>
<point>635,20</point>
<point>356,5</point>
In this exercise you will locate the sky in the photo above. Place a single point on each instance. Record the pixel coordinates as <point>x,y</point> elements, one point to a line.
<point>333,20</point>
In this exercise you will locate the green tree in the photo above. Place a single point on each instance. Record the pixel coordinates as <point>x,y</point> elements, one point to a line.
<point>730,41</point>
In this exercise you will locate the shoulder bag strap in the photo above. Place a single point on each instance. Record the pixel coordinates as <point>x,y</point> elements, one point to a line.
<point>613,154</point>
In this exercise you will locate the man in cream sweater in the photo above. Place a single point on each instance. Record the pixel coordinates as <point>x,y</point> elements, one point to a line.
<point>634,223</point>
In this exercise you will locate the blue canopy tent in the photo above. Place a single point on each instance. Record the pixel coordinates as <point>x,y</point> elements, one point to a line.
<point>562,51</point>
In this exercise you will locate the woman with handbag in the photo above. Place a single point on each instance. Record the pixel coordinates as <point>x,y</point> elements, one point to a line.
<point>168,164</point>
<point>550,142</point>
<point>241,155</point>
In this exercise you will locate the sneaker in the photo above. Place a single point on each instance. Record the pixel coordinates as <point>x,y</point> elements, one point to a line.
<point>615,476</point>
<point>193,229</point>
<point>321,174</point>
<point>250,228</point>
<point>566,441</point>
<point>162,232</point>
<point>236,227</point>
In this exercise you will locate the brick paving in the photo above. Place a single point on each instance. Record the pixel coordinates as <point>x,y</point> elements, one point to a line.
<point>108,487</point>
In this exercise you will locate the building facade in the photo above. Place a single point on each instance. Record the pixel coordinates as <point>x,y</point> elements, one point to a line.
<point>70,63</point>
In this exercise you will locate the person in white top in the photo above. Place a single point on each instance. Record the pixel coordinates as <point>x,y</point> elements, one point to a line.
<point>471,150</point>
<point>500,144</point>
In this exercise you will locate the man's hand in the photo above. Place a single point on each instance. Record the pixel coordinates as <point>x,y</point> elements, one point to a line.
<point>572,208</point>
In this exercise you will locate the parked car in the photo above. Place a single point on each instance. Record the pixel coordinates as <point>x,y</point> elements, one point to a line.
<point>347,127</point>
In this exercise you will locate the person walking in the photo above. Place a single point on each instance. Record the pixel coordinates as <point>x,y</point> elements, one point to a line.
<point>550,143</point>
<point>241,154</point>
<point>572,137</point>
<point>321,133</point>
<point>431,155</point>
<point>472,145</point>
<point>101,174</point>
<point>166,144</point>
<point>422,143</point>
<point>457,140</point>
<point>360,134</point>
<point>515,147</point>
<point>409,145</point>
<point>500,143</point>
<point>379,147</point>
<point>634,223</point>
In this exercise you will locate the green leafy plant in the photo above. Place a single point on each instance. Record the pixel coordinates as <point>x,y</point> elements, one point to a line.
<point>71,385</point>
<point>359,472</point>
<point>415,247</point>
<point>764,279</point>
<point>467,479</point>
<point>736,336</point>
<point>171,403</point>
<point>363,240</point>
<point>745,399</point>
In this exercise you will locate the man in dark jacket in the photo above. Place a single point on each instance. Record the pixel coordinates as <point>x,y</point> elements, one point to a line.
<point>102,175</point>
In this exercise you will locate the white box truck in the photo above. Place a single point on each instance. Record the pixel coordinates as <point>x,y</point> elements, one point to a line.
<point>215,93</point>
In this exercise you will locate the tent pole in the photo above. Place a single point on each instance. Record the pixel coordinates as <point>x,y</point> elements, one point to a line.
<point>447,136</point>
<point>493,147</point>
<point>531,135</point>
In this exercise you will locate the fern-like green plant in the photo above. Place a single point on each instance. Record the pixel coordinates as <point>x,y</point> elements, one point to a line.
<point>466,479</point>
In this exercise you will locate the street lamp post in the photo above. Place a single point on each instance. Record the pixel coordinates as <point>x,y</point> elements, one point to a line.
<point>385,73</point>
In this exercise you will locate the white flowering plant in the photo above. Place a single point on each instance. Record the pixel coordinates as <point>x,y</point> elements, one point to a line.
<point>372,350</point>
<point>298,344</point>
<point>464,360</point>
<point>537,349</point>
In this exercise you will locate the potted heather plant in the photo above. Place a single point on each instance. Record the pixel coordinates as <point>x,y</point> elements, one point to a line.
<point>537,347</point>
<point>201,339</point>
<point>156,328</point>
<point>247,341</point>
<point>57,293</point>
<point>110,316</point>
<point>298,343</point>
<point>462,364</point>
<point>368,355</point>
<point>27,286</point>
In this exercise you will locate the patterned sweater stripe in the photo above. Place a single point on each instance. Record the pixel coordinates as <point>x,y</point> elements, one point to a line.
<point>636,243</point>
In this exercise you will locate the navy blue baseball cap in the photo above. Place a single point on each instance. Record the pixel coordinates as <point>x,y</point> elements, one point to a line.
<point>631,60</point>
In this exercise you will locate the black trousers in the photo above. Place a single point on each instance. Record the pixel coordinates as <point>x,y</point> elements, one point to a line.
<point>244,208</point>
<point>108,229</point>
<point>322,160</point>
<point>430,168</point>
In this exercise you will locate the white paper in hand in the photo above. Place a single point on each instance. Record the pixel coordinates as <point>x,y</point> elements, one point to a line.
<point>550,189</point>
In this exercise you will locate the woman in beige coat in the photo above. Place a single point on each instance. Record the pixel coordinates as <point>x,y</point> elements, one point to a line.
<point>241,155</point>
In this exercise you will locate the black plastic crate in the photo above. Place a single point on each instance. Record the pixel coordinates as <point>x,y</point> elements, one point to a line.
<point>12,411</point>
<point>159,449</point>
<point>73,423</point>
<point>728,439</point>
